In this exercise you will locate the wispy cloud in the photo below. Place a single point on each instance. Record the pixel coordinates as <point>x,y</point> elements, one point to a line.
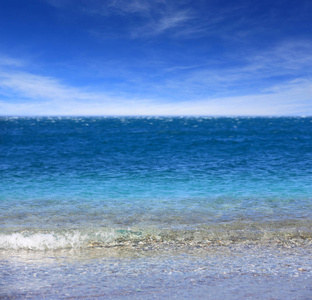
<point>158,17</point>
<point>179,18</point>
<point>184,18</point>
<point>135,6</point>
<point>39,95</point>
<point>173,22</point>
<point>38,88</point>
<point>276,81</point>
<point>10,62</point>
<point>153,17</point>
<point>288,56</point>
<point>254,72</point>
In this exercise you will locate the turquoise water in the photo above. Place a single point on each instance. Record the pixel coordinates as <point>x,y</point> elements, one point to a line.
<point>103,176</point>
<point>124,191</point>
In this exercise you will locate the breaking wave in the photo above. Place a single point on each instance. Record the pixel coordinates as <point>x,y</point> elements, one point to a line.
<point>108,237</point>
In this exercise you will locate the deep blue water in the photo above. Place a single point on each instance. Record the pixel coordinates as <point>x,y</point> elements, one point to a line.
<point>105,177</point>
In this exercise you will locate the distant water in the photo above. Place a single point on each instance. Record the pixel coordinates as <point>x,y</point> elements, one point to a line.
<point>79,183</point>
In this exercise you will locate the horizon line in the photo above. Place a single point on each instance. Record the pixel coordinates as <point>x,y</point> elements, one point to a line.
<point>156,116</point>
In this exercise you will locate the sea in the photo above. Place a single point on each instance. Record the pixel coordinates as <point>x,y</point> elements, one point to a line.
<point>155,207</point>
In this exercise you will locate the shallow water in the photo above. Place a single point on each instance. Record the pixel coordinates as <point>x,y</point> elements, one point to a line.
<point>155,207</point>
<point>234,272</point>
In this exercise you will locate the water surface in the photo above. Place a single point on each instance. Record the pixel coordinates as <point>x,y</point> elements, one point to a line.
<point>130,191</point>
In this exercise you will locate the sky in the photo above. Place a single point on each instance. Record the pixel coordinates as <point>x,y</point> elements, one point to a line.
<point>156,57</point>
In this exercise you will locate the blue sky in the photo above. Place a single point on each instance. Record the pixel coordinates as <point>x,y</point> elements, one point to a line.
<point>162,57</point>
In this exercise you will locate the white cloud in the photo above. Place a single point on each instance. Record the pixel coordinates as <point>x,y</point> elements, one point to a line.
<point>287,56</point>
<point>38,87</point>
<point>31,94</point>
<point>165,23</point>
<point>6,61</point>
<point>40,95</point>
<point>257,71</point>
<point>155,17</point>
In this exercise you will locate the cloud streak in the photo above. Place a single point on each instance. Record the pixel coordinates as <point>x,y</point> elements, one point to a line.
<point>154,17</point>
<point>253,73</point>
<point>39,95</point>
<point>167,22</point>
<point>183,19</point>
<point>6,61</point>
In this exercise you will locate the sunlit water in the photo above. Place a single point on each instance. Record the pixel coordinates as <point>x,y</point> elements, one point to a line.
<point>91,206</point>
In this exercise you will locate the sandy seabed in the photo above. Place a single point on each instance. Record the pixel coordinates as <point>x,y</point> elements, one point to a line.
<point>236,271</point>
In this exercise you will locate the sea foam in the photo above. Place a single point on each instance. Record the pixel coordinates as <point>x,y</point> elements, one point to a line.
<point>51,240</point>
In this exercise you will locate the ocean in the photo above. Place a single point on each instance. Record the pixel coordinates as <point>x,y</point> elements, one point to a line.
<point>156,207</point>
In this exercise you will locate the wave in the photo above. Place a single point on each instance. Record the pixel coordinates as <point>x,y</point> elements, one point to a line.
<point>109,237</point>
<point>53,240</point>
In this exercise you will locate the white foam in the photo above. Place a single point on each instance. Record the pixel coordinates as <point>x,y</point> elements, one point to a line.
<point>51,240</point>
